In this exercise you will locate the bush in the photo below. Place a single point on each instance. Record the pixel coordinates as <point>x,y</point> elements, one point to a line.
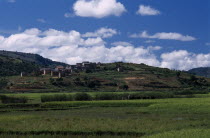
<point>78,82</point>
<point>190,92</point>
<point>93,84</point>
<point>11,99</point>
<point>59,82</point>
<point>124,87</point>
<point>111,84</point>
<point>132,96</point>
<point>151,95</point>
<point>56,97</point>
<point>107,96</point>
<point>82,97</point>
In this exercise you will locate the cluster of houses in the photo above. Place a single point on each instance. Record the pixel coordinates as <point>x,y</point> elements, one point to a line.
<point>61,71</point>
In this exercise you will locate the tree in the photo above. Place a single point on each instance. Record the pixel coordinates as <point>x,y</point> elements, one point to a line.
<point>178,74</point>
<point>3,83</point>
<point>124,87</point>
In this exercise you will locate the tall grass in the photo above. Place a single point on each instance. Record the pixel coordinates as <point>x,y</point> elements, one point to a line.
<point>56,97</point>
<point>106,96</point>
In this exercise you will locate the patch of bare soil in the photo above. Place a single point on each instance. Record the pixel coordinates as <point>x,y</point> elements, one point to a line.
<point>134,78</point>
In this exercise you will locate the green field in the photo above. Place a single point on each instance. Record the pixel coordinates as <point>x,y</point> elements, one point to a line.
<point>158,118</point>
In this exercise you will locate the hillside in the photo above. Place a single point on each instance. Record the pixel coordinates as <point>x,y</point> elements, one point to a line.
<point>13,63</point>
<point>204,71</point>
<point>132,77</point>
<point>117,76</point>
<point>11,66</point>
<point>33,58</point>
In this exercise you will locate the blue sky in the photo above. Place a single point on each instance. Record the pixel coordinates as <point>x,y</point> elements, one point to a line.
<point>161,21</point>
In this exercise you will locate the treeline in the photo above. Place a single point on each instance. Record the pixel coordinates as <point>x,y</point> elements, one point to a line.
<point>121,96</point>
<point>106,96</point>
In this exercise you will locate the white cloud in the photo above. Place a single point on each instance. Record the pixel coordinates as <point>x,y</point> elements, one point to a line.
<point>154,48</point>
<point>98,8</point>
<point>184,60</point>
<point>68,15</point>
<point>102,32</point>
<point>121,43</point>
<point>164,35</point>
<point>149,41</point>
<point>208,44</point>
<point>147,11</point>
<point>41,20</point>
<point>94,42</point>
<point>71,47</point>
<point>11,1</point>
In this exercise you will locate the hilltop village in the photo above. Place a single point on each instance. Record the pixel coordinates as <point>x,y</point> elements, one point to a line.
<point>61,71</point>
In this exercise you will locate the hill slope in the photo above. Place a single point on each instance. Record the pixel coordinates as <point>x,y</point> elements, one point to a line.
<point>13,63</point>
<point>205,71</point>
<point>132,77</point>
<point>106,77</point>
<point>28,57</point>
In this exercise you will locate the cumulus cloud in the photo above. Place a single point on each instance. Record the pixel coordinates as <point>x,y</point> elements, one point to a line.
<point>98,8</point>
<point>184,60</point>
<point>102,32</point>
<point>147,11</point>
<point>71,47</point>
<point>164,35</point>
<point>93,42</point>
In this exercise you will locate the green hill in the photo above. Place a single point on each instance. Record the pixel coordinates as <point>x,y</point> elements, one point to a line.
<point>132,77</point>
<point>204,71</point>
<point>13,63</point>
<point>106,77</point>
<point>33,58</point>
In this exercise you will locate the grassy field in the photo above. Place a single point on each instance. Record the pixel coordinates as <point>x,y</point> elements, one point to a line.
<point>159,118</point>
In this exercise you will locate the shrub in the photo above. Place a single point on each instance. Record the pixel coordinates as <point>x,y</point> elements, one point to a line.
<point>11,99</point>
<point>56,97</point>
<point>78,82</point>
<point>93,84</point>
<point>107,96</point>
<point>190,92</point>
<point>111,84</point>
<point>132,96</point>
<point>151,95</point>
<point>59,82</point>
<point>82,97</point>
<point>124,87</point>
<point>88,71</point>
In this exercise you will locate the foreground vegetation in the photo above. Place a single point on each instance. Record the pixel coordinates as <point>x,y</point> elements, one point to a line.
<point>173,117</point>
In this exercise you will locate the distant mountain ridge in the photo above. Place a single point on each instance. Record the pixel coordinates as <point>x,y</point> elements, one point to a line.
<point>203,71</point>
